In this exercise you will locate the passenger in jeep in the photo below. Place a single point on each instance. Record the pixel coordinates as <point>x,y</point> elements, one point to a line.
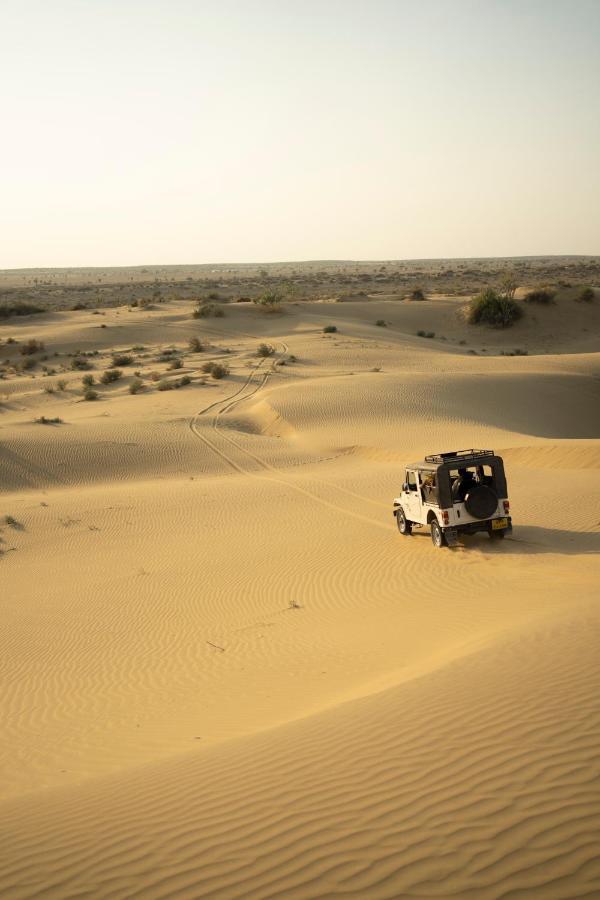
<point>462,485</point>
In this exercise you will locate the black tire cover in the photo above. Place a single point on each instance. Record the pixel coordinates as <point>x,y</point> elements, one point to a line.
<point>481,502</point>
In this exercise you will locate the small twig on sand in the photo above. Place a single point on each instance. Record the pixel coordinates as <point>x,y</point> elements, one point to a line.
<point>216,646</point>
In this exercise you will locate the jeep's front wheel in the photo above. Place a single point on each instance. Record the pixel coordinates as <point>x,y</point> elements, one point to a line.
<point>437,535</point>
<point>404,526</point>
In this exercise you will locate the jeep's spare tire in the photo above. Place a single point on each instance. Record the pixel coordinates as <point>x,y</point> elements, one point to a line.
<point>481,502</point>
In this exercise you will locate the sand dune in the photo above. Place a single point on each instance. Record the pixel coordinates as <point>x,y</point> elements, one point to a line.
<point>224,673</point>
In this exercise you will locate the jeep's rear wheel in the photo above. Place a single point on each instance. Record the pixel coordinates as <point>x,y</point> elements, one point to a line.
<point>404,526</point>
<point>437,535</point>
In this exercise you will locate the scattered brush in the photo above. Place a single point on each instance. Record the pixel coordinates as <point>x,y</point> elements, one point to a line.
<point>330,329</point>
<point>88,380</point>
<point>90,394</point>
<point>44,420</point>
<point>265,350</point>
<point>206,310</point>
<point>381,322</point>
<point>195,345</point>
<point>586,295</point>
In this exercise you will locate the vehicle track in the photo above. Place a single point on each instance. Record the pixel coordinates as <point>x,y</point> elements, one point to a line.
<point>269,472</point>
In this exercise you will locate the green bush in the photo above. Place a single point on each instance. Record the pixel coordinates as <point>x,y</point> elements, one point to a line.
<point>329,329</point>
<point>265,350</point>
<point>122,359</point>
<point>136,386</point>
<point>270,300</point>
<point>540,295</point>
<point>90,394</point>
<point>585,295</point>
<point>87,380</point>
<point>164,385</point>
<point>110,375</point>
<point>490,308</point>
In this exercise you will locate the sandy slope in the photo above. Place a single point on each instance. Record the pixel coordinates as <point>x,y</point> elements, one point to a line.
<point>223,671</point>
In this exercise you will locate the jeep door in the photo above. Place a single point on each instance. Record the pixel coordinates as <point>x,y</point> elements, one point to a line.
<point>411,496</point>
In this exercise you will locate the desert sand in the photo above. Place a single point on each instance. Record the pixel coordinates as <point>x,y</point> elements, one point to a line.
<point>225,674</point>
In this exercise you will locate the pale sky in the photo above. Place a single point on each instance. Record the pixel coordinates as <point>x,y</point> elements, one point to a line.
<point>191,131</point>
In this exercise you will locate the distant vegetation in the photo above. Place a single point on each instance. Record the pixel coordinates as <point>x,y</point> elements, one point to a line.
<point>381,322</point>
<point>30,347</point>
<point>43,420</point>
<point>265,350</point>
<point>417,294</point>
<point>19,309</point>
<point>492,308</point>
<point>330,329</point>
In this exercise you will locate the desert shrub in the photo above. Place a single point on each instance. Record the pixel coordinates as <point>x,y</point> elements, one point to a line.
<point>205,310</point>
<point>540,295</point>
<point>214,295</point>
<point>195,345</point>
<point>270,301</point>
<point>136,386</point>
<point>80,363</point>
<point>90,394</point>
<point>417,294</point>
<point>164,385</point>
<point>88,380</point>
<point>292,358</point>
<point>43,420</point>
<point>175,364</point>
<point>184,380</point>
<point>78,306</point>
<point>265,350</point>
<point>49,388</point>
<point>110,376</point>
<point>31,346</point>
<point>19,309</point>
<point>27,363</point>
<point>490,308</point>
<point>585,295</point>
<point>61,384</point>
<point>122,359</point>
<point>330,329</point>
<point>10,520</point>
<point>381,322</point>
<point>138,348</point>
<point>219,371</point>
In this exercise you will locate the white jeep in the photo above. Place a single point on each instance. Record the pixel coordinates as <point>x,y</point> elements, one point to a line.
<point>455,493</point>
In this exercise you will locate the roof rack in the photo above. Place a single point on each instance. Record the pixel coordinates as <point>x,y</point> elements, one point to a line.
<point>457,454</point>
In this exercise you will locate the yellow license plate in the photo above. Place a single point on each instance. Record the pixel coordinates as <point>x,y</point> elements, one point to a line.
<point>499,523</point>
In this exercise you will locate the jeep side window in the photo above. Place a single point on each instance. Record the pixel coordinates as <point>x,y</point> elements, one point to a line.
<point>411,480</point>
